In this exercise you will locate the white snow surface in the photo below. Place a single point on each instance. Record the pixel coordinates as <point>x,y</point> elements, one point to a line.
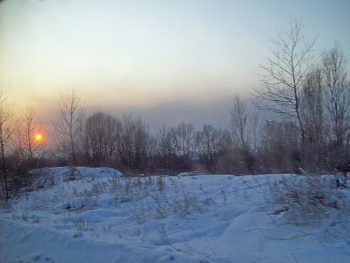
<point>98,215</point>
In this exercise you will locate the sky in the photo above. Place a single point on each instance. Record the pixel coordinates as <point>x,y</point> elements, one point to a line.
<point>165,61</point>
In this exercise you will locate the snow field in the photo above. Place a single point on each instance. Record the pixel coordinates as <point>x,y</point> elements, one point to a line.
<point>97,215</point>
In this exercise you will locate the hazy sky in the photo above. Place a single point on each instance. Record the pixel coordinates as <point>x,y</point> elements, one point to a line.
<point>167,61</point>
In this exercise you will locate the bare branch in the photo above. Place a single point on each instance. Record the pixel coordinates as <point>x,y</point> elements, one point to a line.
<point>286,72</point>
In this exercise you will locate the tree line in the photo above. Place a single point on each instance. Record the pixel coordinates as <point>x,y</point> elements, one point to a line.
<point>300,122</point>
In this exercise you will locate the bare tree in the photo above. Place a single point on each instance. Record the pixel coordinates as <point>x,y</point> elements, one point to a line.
<point>101,133</point>
<point>254,129</point>
<point>68,124</point>
<point>165,141</point>
<point>133,143</point>
<point>29,145</point>
<point>210,143</point>
<point>312,107</point>
<point>337,90</point>
<point>174,146</point>
<point>239,118</point>
<point>28,137</point>
<point>286,72</point>
<point>166,148</point>
<point>183,139</point>
<point>314,119</point>
<point>6,113</point>
<point>279,147</point>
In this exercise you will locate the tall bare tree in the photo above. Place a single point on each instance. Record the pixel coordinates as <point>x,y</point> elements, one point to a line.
<point>254,128</point>
<point>337,90</point>
<point>239,119</point>
<point>285,73</point>
<point>314,119</point>
<point>68,124</point>
<point>6,113</point>
<point>313,107</point>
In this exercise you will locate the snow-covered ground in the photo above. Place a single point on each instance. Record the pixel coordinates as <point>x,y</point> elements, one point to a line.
<point>97,215</point>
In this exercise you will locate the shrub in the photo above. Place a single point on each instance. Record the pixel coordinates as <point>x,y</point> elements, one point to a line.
<point>305,199</point>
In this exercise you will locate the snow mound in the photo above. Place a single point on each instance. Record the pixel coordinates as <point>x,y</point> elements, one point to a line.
<point>185,174</point>
<point>55,175</point>
<point>80,203</point>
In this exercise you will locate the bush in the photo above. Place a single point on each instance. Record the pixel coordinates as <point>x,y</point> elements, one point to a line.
<point>306,199</point>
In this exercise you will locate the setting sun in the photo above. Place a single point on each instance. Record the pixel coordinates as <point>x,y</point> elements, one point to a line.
<point>38,137</point>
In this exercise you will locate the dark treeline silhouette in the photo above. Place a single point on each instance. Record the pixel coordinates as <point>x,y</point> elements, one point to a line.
<point>300,123</point>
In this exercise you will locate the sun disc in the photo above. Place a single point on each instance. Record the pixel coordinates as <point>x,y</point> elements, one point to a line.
<point>38,137</point>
